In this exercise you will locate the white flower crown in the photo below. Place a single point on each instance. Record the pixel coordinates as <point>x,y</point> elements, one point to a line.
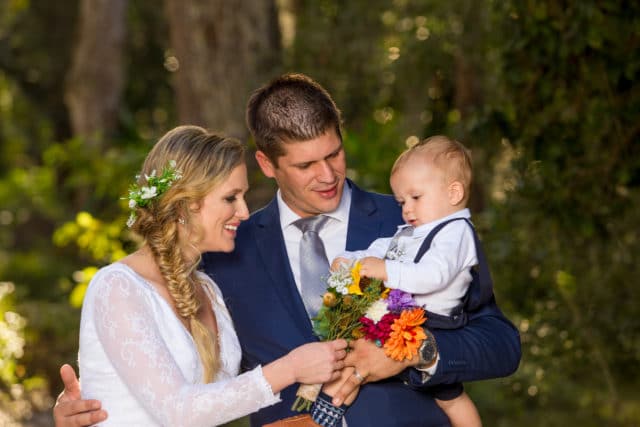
<point>139,197</point>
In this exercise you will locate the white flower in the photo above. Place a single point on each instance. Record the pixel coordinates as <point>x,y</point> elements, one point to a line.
<point>131,220</point>
<point>148,192</point>
<point>340,286</point>
<point>140,197</point>
<point>340,280</point>
<point>377,310</point>
<point>153,174</point>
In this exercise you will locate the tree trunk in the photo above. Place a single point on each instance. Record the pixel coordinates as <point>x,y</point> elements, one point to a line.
<point>94,88</point>
<point>222,51</point>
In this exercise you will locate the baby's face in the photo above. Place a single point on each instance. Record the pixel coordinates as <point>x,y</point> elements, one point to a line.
<point>421,190</point>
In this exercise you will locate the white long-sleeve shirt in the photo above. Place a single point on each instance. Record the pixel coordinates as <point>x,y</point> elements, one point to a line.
<point>441,278</point>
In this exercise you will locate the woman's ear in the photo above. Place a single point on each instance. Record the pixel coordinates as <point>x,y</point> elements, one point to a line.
<point>456,193</point>
<point>268,168</point>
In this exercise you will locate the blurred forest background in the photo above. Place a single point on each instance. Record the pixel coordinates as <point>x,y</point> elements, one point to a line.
<point>546,94</point>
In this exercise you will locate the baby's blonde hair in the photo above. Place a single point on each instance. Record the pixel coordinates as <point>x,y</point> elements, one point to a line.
<point>204,160</point>
<point>448,155</point>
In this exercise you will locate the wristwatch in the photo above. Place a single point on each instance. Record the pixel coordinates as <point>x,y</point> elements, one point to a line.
<point>428,351</point>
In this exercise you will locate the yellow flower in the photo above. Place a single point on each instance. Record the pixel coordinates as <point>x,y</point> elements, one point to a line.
<point>354,288</point>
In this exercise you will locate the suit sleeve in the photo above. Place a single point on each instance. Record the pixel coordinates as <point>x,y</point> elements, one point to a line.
<point>487,347</point>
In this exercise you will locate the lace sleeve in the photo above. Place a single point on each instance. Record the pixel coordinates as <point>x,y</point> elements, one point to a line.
<point>124,316</point>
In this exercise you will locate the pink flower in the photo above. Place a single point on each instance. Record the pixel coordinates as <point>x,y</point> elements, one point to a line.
<point>378,331</point>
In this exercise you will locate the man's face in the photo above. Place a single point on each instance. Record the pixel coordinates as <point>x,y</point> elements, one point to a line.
<point>310,174</point>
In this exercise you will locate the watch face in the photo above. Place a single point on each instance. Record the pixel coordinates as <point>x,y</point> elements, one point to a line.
<point>428,349</point>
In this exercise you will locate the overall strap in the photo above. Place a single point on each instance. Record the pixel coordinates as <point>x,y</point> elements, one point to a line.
<point>426,243</point>
<point>481,287</point>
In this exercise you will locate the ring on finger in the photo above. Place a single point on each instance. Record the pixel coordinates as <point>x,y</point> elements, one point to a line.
<point>359,377</point>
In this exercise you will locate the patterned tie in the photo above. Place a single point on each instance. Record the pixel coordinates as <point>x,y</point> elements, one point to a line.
<point>313,262</point>
<point>394,252</point>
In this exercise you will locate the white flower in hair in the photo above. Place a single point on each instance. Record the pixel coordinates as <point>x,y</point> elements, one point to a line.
<point>131,220</point>
<point>140,197</point>
<point>148,192</point>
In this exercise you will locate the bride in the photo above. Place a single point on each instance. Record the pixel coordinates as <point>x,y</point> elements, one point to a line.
<point>157,344</point>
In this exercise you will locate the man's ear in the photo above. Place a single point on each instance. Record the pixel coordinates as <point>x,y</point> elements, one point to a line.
<point>267,167</point>
<point>456,193</point>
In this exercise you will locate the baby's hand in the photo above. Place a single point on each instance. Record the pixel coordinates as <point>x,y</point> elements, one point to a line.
<point>374,268</point>
<point>335,265</point>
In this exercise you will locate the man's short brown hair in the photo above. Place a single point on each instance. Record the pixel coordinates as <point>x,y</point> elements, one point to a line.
<point>290,108</point>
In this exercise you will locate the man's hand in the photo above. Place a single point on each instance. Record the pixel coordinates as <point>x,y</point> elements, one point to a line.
<point>374,268</point>
<point>332,388</point>
<point>70,410</point>
<point>371,364</point>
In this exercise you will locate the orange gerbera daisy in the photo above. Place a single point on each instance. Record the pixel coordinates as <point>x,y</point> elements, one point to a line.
<point>406,335</point>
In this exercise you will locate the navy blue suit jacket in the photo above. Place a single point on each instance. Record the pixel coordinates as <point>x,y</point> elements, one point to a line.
<point>270,319</point>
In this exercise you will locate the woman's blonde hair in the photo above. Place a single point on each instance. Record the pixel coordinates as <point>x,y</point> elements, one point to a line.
<point>204,160</point>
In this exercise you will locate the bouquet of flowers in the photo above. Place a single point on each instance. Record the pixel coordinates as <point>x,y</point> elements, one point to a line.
<point>359,307</point>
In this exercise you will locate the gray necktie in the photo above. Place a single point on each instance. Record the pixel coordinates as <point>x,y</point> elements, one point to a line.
<point>392,252</point>
<point>313,262</point>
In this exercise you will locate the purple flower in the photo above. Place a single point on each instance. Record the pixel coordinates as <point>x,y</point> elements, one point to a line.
<point>398,301</point>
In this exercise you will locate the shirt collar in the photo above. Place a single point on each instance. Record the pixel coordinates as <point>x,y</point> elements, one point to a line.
<point>287,216</point>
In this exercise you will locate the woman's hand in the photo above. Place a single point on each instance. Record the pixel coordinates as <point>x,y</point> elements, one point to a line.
<point>318,363</point>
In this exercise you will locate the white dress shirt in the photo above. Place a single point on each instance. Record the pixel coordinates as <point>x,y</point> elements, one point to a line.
<point>333,234</point>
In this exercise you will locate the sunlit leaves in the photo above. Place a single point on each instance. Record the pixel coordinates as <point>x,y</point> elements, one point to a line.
<point>103,241</point>
<point>82,278</point>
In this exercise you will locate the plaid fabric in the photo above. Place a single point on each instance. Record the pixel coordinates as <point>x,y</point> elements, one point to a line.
<point>325,414</point>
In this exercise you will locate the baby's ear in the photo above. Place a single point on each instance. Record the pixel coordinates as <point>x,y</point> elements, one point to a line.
<point>456,193</point>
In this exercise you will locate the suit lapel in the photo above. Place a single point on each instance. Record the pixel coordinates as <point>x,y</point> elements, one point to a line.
<point>273,252</point>
<point>364,220</point>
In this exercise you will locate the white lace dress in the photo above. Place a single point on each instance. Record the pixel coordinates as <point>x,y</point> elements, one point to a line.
<point>138,359</point>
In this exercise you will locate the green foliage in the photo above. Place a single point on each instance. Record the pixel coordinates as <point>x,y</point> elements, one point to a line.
<point>544,93</point>
<point>563,231</point>
<point>19,394</point>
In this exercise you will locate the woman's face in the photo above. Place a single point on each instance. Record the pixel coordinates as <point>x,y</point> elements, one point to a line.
<point>221,212</point>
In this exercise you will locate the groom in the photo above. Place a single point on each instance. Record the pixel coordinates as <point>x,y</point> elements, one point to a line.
<point>296,127</point>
